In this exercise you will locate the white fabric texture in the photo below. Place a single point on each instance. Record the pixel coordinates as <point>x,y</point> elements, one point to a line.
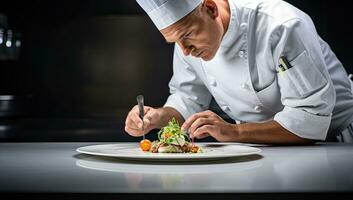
<point>164,13</point>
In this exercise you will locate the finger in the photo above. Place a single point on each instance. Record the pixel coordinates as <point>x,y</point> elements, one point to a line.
<point>202,135</point>
<point>198,123</point>
<point>136,132</point>
<point>129,123</point>
<point>152,116</point>
<point>147,109</point>
<point>135,109</point>
<point>133,132</point>
<point>194,117</point>
<point>133,121</point>
<point>137,120</point>
<point>147,124</point>
<point>203,131</point>
<point>151,119</point>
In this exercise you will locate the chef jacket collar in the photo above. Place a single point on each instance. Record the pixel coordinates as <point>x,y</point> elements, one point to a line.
<point>233,31</point>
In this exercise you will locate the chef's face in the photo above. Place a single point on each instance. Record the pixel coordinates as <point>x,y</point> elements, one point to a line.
<point>198,34</point>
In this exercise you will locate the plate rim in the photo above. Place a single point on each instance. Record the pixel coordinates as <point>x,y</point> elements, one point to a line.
<point>159,158</point>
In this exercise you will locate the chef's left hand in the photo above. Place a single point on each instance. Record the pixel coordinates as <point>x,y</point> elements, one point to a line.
<point>207,123</point>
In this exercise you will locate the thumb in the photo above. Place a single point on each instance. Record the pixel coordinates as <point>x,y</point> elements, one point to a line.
<point>147,109</point>
<point>152,118</point>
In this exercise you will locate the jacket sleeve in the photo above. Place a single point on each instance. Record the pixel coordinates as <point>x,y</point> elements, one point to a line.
<point>307,91</point>
<point>188,94</point>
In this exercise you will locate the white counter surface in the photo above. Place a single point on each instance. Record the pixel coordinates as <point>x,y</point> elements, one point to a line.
<point>57,167</point>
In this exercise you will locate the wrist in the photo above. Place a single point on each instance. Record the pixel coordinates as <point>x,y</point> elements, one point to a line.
<point>161,121</point>
<point>230,133</point>
<point>236,133</point>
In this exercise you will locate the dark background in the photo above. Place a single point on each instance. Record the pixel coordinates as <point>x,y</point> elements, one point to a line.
<point>83,62</point>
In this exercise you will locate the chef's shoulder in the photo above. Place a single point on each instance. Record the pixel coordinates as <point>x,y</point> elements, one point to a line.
<point>272,11</point>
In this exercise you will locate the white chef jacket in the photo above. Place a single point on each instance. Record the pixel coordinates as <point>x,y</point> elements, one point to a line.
<point>310,99</point>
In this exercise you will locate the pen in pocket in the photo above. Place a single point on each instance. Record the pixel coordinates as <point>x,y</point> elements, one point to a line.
<point>284,63</point>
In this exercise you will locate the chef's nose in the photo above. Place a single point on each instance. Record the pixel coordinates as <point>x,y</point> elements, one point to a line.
<point>186,48</point>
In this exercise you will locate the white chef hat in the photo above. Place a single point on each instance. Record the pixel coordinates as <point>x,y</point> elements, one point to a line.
<point>166,12</point>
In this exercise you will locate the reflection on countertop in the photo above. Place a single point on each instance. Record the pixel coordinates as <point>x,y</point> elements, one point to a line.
<point>306,168</point>
<point>172,175</point>
<point>48,167</point>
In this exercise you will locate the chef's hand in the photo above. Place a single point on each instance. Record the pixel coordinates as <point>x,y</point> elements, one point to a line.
<point>207,123</point>
<point>133,122</point>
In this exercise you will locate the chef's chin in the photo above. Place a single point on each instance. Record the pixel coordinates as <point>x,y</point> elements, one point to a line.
<point>207,56</point>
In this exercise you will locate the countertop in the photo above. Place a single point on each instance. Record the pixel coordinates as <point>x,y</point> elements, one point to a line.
<point>57,167</point>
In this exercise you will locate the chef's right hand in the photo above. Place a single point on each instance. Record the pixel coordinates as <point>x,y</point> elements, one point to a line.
<point>133,123</point>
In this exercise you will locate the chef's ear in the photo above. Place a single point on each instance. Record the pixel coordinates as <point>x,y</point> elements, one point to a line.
<point>211,7</point>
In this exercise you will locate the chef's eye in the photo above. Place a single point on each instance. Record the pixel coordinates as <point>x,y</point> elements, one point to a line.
<point>188,34</point>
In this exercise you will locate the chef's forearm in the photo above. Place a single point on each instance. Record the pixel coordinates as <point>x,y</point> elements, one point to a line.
<point>267,133</point>
<point>167,113</point>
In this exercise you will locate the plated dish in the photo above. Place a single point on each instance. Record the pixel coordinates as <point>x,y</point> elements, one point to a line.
<point>171,139</point>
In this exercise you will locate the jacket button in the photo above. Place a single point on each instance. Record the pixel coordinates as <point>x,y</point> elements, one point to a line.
<point>257,108</point>
<point>245,86</point>
<point>213,82</point>
<point>225,108</point>
<point>239,122</point>
<point>241,53</point>
<point>243,26</point>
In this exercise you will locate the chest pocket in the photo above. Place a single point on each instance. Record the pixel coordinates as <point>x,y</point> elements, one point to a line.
<point>302,79</point>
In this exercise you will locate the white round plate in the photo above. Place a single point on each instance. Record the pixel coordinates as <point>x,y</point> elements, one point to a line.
<point>133,152</point>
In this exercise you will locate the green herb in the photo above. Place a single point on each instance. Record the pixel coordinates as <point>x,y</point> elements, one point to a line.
<point>171,133</point>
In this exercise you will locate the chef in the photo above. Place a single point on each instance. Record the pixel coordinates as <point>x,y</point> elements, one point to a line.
<point>264,64</point>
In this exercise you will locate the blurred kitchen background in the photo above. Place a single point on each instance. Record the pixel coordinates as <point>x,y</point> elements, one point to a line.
<point>71,70</point>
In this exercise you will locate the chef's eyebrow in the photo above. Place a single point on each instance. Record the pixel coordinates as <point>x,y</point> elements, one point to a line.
<point>180,38</point>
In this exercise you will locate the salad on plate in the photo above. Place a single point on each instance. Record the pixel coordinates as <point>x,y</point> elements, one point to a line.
<point>171,139</point>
